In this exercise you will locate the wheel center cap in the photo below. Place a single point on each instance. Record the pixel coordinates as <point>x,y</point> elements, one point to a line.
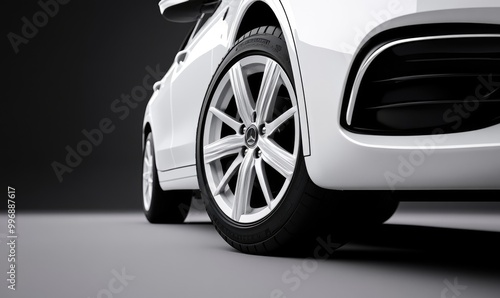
<point>251,136</point>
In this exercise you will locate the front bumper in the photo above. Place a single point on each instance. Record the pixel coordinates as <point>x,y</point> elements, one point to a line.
<point>343,160</point>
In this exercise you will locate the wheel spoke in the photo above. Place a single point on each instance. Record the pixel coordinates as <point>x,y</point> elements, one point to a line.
<point>147,160</point>
<point>244,185</point>
<point>242,94</point>
<point>268,88</point>
<point>271,127</point>
<point>235,125</point>
<point>277,157</point>
<point>147,177</point>
<point>229,174</point>
<point>148,155</point>
<point>264,183</point>
<point>223,147</point>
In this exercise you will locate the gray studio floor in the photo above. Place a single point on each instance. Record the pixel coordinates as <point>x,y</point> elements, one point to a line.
<point>446,252</point>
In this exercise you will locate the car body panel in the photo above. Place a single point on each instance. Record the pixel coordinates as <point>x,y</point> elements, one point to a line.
<point>343,160</point>
<point>323,37</point>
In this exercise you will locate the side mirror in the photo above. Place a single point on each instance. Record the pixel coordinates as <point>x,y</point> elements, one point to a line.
<point>186,11</point>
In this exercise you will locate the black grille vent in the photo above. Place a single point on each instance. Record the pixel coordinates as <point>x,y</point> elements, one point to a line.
<point>442,84</point>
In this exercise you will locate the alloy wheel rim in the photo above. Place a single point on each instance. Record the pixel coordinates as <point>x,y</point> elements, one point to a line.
<point>147,176</point>
<point>251,139</point>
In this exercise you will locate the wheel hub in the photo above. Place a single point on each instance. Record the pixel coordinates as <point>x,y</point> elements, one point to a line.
<point>251,136</point>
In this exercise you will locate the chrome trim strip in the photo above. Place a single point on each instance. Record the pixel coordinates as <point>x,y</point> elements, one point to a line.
<point>369,60</point>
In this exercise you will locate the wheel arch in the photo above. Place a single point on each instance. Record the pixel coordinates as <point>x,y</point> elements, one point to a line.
<point>146,130</point>
<point>256,13</point>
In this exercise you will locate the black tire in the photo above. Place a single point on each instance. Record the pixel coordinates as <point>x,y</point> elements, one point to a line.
<point>166,206</point>
<point>374,207</point>
<point>386,206</point>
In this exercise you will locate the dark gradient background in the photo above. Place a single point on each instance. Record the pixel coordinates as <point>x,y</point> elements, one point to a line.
<point>63,81</point>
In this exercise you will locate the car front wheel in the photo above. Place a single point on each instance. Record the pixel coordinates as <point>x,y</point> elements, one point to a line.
<point>250,165</point>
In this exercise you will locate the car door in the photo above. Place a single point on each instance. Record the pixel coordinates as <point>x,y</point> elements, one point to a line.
<point>160,109</point>
<point>192,72</point>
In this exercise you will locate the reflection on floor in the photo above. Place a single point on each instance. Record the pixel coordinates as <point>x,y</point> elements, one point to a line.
<point>419,253</point>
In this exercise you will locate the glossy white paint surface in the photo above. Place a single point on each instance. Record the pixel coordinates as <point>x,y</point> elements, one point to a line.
<point>323,37</point>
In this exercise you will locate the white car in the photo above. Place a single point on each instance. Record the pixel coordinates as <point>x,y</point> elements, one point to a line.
<point>297,119</point>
